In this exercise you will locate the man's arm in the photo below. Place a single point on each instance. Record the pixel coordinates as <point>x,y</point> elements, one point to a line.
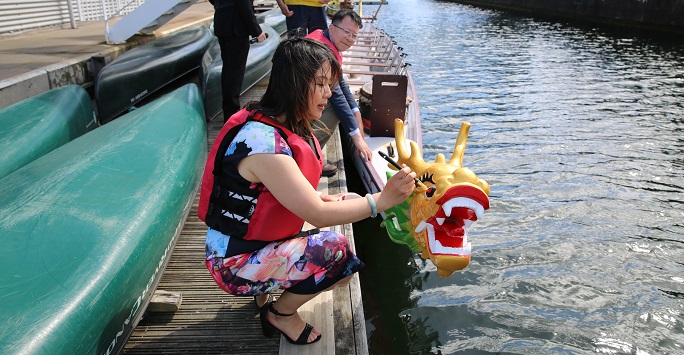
<point>344,113</point>
<point>246,10</point>
<point>351,100</point>
<point>339,101</point>
<point>284,9</point>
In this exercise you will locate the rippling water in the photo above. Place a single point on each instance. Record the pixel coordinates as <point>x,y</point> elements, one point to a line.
<point>580,132</point>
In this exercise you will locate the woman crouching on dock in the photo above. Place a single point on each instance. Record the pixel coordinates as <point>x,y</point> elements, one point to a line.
<point>259,186</point>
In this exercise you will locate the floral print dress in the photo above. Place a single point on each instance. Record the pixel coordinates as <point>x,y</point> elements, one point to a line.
<point>302,265</point>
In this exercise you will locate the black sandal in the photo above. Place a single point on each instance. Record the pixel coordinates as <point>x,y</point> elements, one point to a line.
<point>269,300</point>
<point>270,329</point>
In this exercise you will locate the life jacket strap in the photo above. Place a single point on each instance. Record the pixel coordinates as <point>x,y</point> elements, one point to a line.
<point>306,233</point>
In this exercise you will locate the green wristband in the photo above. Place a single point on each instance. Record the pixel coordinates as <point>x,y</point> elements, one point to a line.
<point>374,208</point>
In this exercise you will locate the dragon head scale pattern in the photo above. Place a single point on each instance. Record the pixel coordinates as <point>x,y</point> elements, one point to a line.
<point>434,220</point>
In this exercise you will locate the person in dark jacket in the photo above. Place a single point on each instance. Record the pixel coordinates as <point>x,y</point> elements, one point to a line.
<point>234,23</point>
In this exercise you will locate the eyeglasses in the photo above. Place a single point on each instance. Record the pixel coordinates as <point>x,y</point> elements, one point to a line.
<point>348,33</point>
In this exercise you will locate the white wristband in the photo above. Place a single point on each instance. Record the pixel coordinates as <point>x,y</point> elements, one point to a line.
<point>374,208</point>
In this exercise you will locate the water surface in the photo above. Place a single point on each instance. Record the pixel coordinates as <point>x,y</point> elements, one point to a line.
<point>580,132</point>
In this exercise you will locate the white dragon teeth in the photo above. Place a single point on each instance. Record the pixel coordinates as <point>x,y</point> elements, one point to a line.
<point>437,248</point>
<point>463,202</point>
<point>421,227</point>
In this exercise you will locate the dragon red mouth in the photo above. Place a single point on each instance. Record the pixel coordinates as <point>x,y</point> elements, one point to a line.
<point>460,207</point>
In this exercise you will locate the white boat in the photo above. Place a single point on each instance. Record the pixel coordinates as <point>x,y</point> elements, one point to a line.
<point>449,197</point>
<point>376,61</point>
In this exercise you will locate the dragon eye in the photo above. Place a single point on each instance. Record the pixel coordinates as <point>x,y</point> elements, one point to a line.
<point>430,191</point>
<point>427,177</point>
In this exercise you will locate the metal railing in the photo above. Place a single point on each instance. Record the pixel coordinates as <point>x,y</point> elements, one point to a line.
<point>104,10</point>
<point>25,15</point>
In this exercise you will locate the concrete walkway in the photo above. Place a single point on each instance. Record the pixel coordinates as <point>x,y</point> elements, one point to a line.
<point>36,61</point>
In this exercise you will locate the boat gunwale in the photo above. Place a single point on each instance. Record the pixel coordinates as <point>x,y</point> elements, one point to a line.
<point>373,173</point>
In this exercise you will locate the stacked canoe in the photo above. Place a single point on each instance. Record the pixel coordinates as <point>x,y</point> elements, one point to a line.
<point>273,18</point>
<point>143,70</point>
<point>86,229</point>
<point>33,127</point>
<point>89,217</point>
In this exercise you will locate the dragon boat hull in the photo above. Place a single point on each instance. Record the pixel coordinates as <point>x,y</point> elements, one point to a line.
<point>136,74</point>
<point>449,197</point>
<point>258,66</point>
<point>375,54</point>
<point>35,126</point>
<point>87,229</point>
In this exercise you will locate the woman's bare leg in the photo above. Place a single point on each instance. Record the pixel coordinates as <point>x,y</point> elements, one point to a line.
<point>292,326</point>
<point>289,303</point>
<point>262,299</point>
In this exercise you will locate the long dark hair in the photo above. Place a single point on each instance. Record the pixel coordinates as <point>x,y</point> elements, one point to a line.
<point>295,63</point>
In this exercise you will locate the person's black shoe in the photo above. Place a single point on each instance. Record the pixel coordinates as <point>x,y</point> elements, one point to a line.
<point>270,330</point>
<point>329,170</point>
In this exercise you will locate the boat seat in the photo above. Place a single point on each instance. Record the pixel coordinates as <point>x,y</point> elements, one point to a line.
<point>388,103</point>
<point>366,72</point>
<point>377,57</point>
<point>367,64</point>
<point>376,46</point>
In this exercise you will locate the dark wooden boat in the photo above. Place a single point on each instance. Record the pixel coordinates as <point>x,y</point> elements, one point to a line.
<point>143,70</point>
<point>87,229</point>
<point>258,66</point>
<point>37,125</point>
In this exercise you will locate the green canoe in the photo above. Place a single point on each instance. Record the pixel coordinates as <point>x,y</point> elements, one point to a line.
<point>37,125</point>
<point>87,229</point>
<point>273,18</point>
<point>143,70</point>
<point>258,66</point>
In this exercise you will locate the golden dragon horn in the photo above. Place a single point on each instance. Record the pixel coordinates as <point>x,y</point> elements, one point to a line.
<point>413,160</point>
<point>459,149</point>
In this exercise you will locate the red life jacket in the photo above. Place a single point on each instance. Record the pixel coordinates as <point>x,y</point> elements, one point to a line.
<point>235,209</point>
<point>320,37</point>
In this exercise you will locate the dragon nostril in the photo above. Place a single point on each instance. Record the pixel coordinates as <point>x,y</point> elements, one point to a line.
<point>430,191</point>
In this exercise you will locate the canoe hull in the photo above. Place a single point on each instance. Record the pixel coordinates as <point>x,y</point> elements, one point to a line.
<point>136,74</point>
<point>274,19</point>
<point>85,231</point>
<point>33,127</point>
<point>258,65</point>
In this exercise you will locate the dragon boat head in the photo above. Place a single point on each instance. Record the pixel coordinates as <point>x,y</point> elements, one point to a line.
<point>434,219</point>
